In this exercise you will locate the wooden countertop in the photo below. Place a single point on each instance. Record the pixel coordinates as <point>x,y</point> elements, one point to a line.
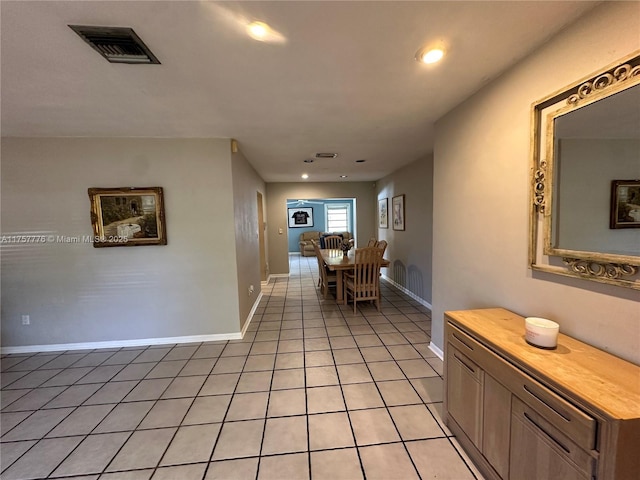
<point>604,381</point>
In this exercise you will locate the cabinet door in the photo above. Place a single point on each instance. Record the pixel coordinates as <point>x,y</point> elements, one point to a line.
<point>496,433</point>
<point>464,394</point>
<point>538,451</point>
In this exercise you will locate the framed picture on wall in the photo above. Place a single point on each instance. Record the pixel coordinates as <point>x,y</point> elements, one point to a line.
<point>397,208</point>
<point>300,217</point>
<point>128,216</point>
<point>383,213</point>
<point>625,204</point>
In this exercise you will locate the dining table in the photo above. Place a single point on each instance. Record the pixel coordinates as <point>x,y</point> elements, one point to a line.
<point>337,261</point>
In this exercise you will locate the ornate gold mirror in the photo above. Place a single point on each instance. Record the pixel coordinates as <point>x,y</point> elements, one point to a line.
<point>585,189</point>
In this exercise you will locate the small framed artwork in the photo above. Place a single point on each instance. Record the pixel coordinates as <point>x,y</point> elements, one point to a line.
<point>383,213</point>
<point>300,217</point>
<point>127,216</point>
<point>397,206</point>
<point>625,204</point>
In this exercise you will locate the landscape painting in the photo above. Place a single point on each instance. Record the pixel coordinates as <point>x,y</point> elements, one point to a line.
<point>625,204</point>
<point>127,216</point>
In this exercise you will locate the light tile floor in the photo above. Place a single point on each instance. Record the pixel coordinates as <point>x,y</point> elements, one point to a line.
<point>312,391</point>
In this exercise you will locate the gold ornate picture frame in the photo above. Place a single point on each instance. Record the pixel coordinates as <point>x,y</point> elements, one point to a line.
<point>589,98</point>
<point>127,216</point>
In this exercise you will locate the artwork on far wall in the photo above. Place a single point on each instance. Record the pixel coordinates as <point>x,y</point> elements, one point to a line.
<point>625,204</point>
<point>383,213</point>
<point>397,208</point>
<point>127,216</point>
<point>300,217</point>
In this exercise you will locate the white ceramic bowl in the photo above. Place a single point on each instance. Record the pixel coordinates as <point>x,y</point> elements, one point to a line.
<point>541,332</point>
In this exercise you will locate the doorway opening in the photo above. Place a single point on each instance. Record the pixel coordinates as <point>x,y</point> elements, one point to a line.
<point>323,215</point>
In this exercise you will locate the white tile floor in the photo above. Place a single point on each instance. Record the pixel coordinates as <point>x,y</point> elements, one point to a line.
<point>312,391</point>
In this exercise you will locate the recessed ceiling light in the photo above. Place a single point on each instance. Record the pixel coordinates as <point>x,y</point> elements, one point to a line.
<point>305,176</point>
<point>429,55</point>
<point>326,155</point>
<point>258,30</point>
<point>308,160</point>
<point>264,33</point>
<point>343,176</point>
<point>360,161</point>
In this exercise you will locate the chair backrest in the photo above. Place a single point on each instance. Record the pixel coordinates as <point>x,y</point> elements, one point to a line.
<point>367,271</point>
<point>372,242</point>
<point>332,241</point>
<point>321,270</point>
<point>382,245</point>
<point>345,235</point>
<point>316,248</point>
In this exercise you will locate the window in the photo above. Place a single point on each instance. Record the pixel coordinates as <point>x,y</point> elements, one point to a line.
<point>338,217</point>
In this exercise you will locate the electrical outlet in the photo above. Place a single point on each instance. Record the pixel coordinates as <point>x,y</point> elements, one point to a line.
<point>26,320</point>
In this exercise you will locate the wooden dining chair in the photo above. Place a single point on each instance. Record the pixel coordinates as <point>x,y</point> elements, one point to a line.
<point>382,245</point>
<point>326,277</point>
<point>364,282</point>
<point>333,242</point>
<point>372,242</point>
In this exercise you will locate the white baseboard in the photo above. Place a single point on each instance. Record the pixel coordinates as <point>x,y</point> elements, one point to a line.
<point>421,301</point>
<point>271,275</point>
<point>138,342</point>
<point>277,275</point>
<point>251,313</point>
<point>436,350</point>
<point>141,342</point>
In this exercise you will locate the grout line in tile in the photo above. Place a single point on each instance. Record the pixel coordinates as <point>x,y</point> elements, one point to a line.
<point>298,293</point>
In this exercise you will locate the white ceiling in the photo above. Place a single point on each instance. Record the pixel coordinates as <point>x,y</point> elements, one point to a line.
<point>345,79</point>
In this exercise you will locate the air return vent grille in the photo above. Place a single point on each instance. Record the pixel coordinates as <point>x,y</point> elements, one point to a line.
<point>116,44</point>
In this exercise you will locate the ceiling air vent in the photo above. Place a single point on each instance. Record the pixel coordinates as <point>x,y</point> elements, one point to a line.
<point>326,155</point>
<point>116,44</point>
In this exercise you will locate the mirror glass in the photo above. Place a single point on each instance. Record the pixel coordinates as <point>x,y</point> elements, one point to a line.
<point>593,146</point>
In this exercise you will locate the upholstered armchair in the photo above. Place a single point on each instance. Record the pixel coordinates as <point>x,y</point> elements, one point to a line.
<point>306,247</point>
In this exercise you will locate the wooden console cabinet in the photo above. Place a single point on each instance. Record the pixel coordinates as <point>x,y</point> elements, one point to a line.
<point>526,413</point>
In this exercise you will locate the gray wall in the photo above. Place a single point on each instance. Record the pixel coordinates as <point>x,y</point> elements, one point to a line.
<point>278,193</point>
<point>246,184</point>
<point>481,194</point>
<point>77,293</point>
<point>410,251</point>
<point>584,205</point>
